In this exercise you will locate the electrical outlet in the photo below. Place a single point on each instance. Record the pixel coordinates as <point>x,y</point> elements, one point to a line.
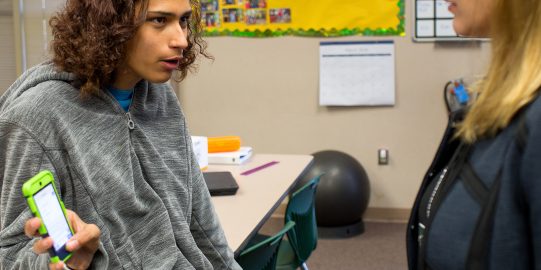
<point>383,156</point>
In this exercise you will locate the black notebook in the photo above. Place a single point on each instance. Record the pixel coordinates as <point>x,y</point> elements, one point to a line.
<point>220,183</point>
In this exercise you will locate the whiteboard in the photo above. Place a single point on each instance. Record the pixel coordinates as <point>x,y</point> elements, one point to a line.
<point>434,22</point>
<point>357,73</point>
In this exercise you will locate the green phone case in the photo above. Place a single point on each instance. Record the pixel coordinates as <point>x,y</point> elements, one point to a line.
<point>31,187</point>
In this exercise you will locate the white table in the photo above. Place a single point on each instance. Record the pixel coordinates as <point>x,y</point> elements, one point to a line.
<point>259,194</point>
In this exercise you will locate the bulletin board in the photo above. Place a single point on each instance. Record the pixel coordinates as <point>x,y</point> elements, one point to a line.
<point>323,18</point>
<point>433,21</point>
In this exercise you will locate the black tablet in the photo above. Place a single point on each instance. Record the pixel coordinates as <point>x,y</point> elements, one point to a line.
<point>221,183</point>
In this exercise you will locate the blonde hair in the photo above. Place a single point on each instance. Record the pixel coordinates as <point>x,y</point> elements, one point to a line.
<point>514,74</point>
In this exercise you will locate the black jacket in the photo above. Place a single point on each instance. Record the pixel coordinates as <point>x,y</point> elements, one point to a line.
<point>511,237</point>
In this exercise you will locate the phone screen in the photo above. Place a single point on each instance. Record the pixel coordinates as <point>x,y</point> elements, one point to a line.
<point>53,219</point>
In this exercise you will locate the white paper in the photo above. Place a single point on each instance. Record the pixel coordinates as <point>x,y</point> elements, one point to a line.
<point>356,73</point>
<point>444,28</point>
<point>425,9</point>
<point>425,28</point>
<point>200,149</point>
<point>442,10</point>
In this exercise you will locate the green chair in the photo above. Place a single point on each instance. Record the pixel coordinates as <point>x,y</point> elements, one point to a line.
<point>302,240</point>
<point>262,256</point>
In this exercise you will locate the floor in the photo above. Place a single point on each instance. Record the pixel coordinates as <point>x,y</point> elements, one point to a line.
<point>381,247</point>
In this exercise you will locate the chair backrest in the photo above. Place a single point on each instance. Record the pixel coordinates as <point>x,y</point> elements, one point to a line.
<point>301,210</point>
<point>263,255</point>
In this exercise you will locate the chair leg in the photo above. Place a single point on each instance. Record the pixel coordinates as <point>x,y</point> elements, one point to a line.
<point>304,266</point>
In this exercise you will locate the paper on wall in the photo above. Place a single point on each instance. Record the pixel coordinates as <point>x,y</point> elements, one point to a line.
<point>357,73</point>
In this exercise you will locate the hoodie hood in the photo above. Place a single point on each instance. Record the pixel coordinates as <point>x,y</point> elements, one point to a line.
<point>41,73</point>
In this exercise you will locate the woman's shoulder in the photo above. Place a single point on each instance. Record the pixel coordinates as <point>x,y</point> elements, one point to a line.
<point>527,131</point>
<point>529,117</point>
<point>534,109</point>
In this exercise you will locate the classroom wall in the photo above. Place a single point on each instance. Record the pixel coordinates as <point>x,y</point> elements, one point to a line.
<point>32,26</point>
<point>266,91</point>
<point>8,72</point>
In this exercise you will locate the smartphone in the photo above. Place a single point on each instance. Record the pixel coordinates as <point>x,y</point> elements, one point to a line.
<point>44,202</point>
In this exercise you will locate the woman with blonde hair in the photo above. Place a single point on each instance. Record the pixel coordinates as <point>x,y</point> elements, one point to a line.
<point>479,205</point>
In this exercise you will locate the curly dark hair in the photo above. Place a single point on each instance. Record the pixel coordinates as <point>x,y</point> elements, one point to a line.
<point>90,36</point>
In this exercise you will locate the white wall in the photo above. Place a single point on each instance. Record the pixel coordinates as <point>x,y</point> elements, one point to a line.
<point>266,91</point>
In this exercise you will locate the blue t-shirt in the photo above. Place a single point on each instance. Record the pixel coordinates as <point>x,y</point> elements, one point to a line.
<point>123,96</point>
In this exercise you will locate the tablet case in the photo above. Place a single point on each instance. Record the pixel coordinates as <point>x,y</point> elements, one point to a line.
<point>220,183</point>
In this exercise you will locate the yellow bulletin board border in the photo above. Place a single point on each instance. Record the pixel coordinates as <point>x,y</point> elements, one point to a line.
<point>262,31</point>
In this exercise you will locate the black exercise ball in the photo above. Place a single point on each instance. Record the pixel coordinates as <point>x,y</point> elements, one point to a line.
<point>343,192</point>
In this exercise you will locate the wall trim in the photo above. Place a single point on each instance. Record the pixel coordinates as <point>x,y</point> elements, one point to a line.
<point>373,214</point>
<point>382,214</point>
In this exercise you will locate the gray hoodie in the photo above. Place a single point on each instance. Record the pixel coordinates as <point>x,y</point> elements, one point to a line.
<point>132,174</point>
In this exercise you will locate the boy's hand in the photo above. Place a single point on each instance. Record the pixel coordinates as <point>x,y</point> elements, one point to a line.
<point>83,244</point>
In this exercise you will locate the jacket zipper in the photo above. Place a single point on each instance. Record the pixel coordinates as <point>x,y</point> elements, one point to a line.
<point>131,124</point>
<point>435,192</point>
<point>445,181</point>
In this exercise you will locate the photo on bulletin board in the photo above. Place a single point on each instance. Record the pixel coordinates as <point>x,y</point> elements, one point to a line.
<point>233,15</point>
<point>434,22</point>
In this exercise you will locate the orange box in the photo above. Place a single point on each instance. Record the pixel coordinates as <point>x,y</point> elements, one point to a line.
<point>223,144</point>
